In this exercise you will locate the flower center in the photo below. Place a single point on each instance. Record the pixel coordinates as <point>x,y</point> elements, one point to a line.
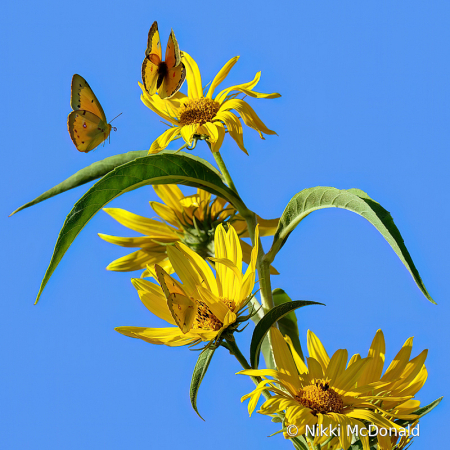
<point>320,398</point>
<point>198,110</point>
<point>206,320</point>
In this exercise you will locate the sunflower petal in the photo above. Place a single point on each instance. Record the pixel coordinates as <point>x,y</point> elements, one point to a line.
<point>248,115</point>
<point>221,75</point>
<point>317,350</point>
<point>193,78</point>
<point>161,142</point>
<point>172,336</point>
<point>234,127</point>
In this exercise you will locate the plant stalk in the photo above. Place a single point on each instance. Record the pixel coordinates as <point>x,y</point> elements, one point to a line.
<point>262,266</point>
<point>234,350</point>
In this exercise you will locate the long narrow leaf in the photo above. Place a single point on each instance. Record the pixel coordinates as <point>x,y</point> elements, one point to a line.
<point>149,170</point>
<point>197,376</point>
<point>288,324</point>
<point>267,321</point>
<point>95,171</point>
<point>92,172</point>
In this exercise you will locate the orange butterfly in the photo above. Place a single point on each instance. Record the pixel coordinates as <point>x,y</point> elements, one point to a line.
<point>182,308</point>
<point>87,123</point>
<point>165,77</point>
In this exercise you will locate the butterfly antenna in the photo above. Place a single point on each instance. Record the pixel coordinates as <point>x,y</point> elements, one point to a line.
<point>116,118</point>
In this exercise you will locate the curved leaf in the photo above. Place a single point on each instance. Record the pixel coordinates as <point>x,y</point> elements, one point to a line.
<point>267,321</point>
<point>155,169</point>
<point>93,172</point>
<point>354,200</point>
<point>199,372</point>
<point>288,324</point>
<point>89,173</point>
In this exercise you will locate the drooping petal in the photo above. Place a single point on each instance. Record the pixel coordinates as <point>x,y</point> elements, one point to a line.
<point>167,110</point>
<point>248,115</point>
<point>216,133</point>
<point>193,78</point>
<point>234,127</point>
<point>161,142</point>
<point>187,132</point>
<point>221,75</point>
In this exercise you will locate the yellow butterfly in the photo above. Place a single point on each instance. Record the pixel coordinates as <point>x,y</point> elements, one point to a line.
<point>165,77</point>
<point>182,308</point>
<point>87,123</point>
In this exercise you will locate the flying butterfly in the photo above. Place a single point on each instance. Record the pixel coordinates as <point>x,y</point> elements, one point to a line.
<point>165,77</point>
<point>87,123</point>
<point>182,308</point>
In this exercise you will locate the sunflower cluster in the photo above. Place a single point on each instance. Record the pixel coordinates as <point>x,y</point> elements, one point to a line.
<point>193,277</point>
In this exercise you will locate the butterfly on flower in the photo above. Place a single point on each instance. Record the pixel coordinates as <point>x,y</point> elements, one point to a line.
<point>87,123</point>
<point>165,77</point>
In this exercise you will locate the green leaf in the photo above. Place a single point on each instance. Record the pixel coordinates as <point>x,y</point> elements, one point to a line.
<point>267,321</point>
<point>197,376</point>
<point>354,200</point>
<point>93,172</point>
<point>288,324</point>
<point>265,347</point>
<point>149,170</point>
<point>89,173</point>
<point>420,412</point>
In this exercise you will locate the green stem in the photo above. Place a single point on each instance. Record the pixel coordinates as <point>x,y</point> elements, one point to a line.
<point>234,350</point>
<point>223,168</point>
<point>262,266</point>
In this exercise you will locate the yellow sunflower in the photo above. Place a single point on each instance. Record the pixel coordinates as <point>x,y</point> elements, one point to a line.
<point>202,306</point>
<point>197,115</point>
<point>190,219</point>
<point>330,394</point>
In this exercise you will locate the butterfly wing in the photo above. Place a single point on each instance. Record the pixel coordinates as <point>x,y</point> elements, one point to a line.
<point>153,55</point>
<point>173,57</point>
<point>182,308</point>
<point>149,75</point>
<point>172,82</point>
<point>82,97</point>
<point>153,42</point>
<point>87,130</point>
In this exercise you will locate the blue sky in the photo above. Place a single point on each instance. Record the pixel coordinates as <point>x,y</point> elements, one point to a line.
<point>365,104</point>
